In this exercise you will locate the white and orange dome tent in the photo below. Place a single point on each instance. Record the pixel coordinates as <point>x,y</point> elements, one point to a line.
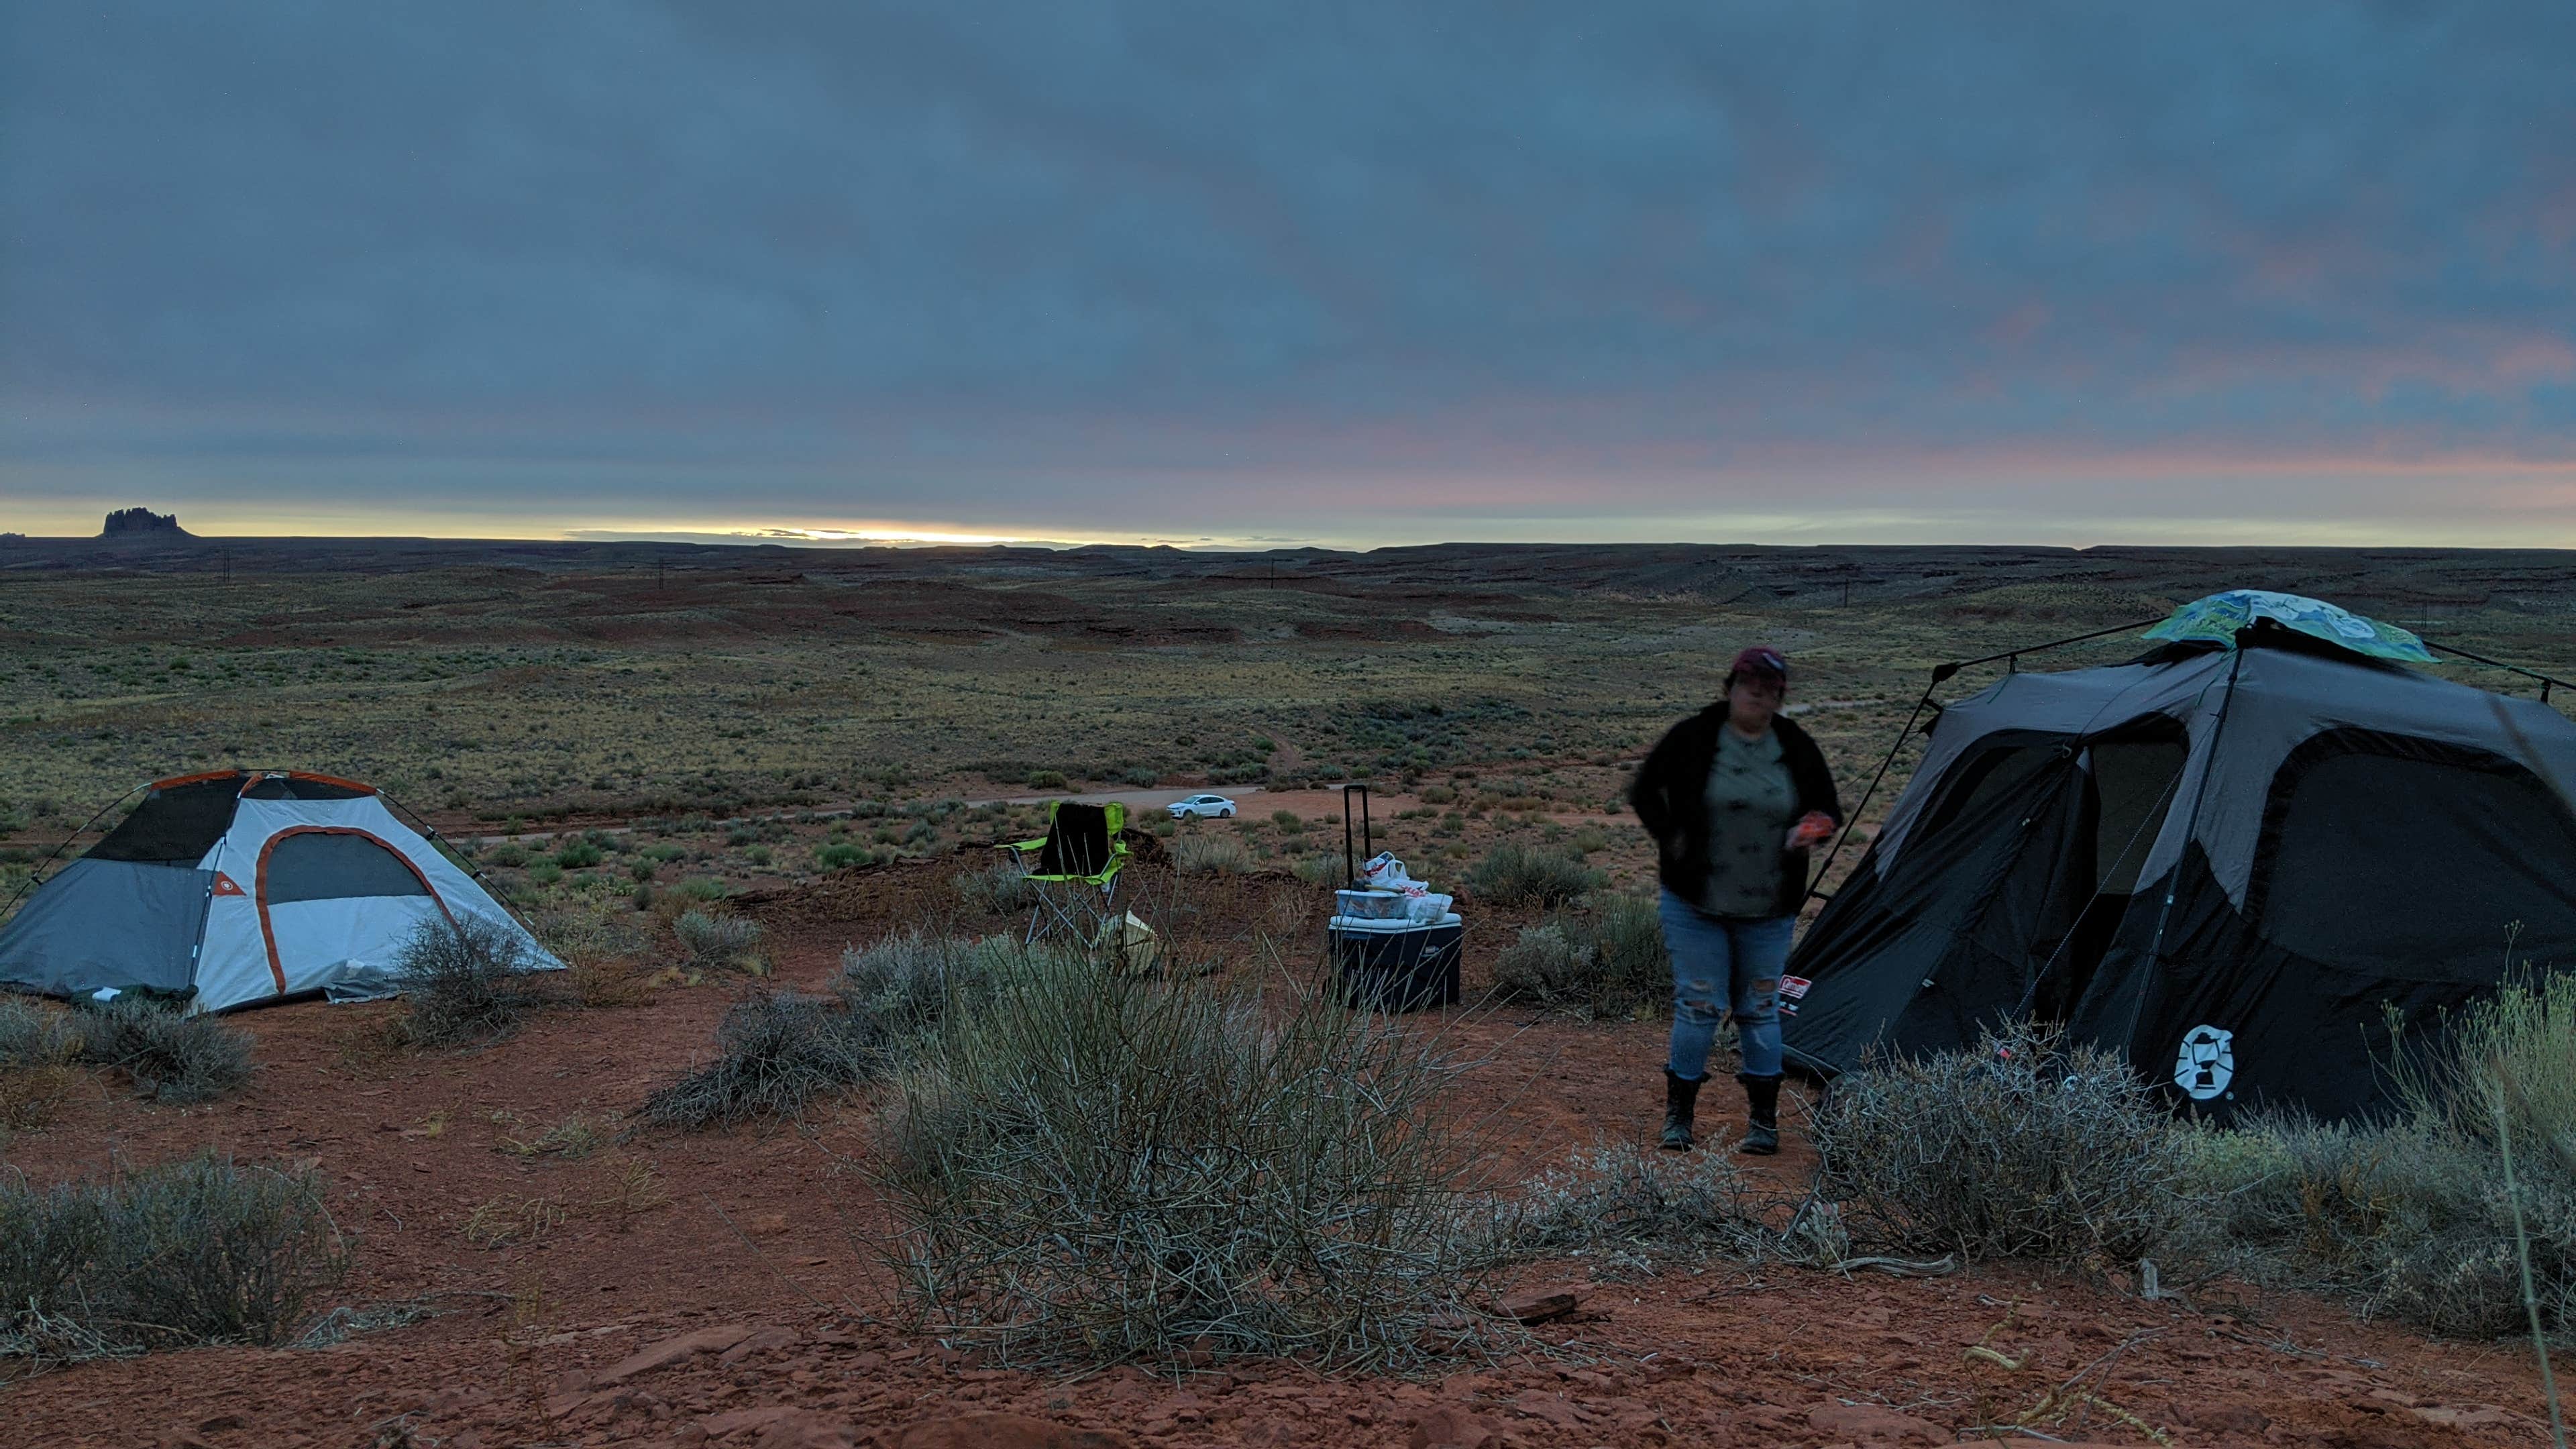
<point>238,887</point>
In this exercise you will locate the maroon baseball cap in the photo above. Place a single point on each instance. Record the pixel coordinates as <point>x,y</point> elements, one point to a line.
<point>1762,662</point>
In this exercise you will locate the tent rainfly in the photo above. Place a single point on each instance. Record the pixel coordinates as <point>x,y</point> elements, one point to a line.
<point>236,887</point>
<point>2227,859</point>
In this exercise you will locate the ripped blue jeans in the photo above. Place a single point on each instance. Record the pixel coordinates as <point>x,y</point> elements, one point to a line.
<point>1722,965</point>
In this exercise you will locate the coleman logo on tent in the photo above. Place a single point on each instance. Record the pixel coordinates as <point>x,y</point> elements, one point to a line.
<point>224,885</point>
<point>2207,1062</point>
<point>1791,989</point>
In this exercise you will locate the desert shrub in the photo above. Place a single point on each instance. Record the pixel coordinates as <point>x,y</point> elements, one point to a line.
<point>577,855</point>
<point>715,943</point>
<point>580,936</point>
<point>1045,779</point>
<point>511,856</point>
<point>776,1052</point>
<point>909,983</point>
<point>1608,961</point>
<point>1092,1168</point>
<point>1211,855</point>
<point>169,1057</point>
<point>1288,820</point>
<point>841,855</point>
<point>1319,870</point>
<point>202,1250</point>
<point>1515,874</point>
<point>35,1035</point>
<point>2024,1147</point>
<point>1144,777</point>
<point>1549,964</point>
<point>2410,1214</point>
<point>468,980</point>
<point>1629,1208</point>
<point>545,873</point>
<point>999,889</point>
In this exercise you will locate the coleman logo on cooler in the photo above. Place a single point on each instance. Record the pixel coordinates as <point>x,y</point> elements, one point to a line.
<point>1794,987</point>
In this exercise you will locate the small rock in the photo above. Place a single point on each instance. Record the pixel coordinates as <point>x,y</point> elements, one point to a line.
<point>1450,1427</point>
<point>219,1423</point>
<point>1551,1407</point>
<point>765,1339</point>
<point>2467,1416</point>
<point>1872,1426</point>
<point>1543,1304</point>
<point>672,1350</point>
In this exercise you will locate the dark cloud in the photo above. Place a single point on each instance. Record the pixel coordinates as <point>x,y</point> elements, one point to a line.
<point>964,261</point>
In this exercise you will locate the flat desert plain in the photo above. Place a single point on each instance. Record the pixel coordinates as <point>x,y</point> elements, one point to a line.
<point>825,745</point>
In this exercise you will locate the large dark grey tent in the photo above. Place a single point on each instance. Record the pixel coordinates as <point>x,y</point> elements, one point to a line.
<point>2226,859</point>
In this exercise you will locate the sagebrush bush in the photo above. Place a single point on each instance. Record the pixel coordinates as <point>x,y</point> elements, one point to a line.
<point>718,943</point>
<point>1211,855</point>
<point>170,1057</point>
<point>1608,960</point>
<point>910,982</point>
<point>999,889</point>
<point>202,1250</point>
<point>1513,874</point>
<point>776,1053</point>
<point>1091,1168</point>
<point>2410,1214</point>
<point>1629,1208</point>
<point>1319,870</point>
<point>468,980</point>
<point>35,1035</point>
<point>2024,1147</point>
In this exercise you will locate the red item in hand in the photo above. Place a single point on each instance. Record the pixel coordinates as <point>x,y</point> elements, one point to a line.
<point>1813,828</point>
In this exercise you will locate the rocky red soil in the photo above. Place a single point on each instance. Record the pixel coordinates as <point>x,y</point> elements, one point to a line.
<point>722,1289</point>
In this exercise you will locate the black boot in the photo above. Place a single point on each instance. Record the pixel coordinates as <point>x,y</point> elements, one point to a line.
<point>1681,1096</point>
<point>1762,1113</point>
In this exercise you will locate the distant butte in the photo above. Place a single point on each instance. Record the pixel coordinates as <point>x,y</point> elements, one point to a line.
<point>131,522</point>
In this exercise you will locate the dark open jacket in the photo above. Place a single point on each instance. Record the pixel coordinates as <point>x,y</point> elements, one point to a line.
<point>1671,790</point>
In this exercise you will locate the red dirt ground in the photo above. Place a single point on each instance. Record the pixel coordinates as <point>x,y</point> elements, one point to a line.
<point>732,1301</point>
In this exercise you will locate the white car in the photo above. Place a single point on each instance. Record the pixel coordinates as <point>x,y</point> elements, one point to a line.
<point>1201,806</point>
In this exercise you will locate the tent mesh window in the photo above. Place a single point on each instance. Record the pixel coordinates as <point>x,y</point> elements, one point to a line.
<point>2413,858</point>
<point>328,866</point>
<point>174,826</point>
<point>2133,780</point>
<point>1993,780</point>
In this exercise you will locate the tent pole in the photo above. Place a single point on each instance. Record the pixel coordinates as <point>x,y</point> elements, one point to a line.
<point>431,831</point>
<point>1941,674</point>
<point>2546,681</point>
<point>2190,828</point>
<point>38,873</point>
<point>1852,821</point>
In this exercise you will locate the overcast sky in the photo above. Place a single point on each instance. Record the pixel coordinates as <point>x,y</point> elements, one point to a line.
<point>1383,272</point>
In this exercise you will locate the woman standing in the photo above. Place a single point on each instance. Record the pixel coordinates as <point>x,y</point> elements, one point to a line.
<point>1734,797</point>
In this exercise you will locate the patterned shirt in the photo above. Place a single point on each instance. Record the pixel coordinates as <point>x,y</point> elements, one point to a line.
<point>1751,804</point>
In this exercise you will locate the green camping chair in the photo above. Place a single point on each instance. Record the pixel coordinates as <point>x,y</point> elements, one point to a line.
<point>1074,868</point>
